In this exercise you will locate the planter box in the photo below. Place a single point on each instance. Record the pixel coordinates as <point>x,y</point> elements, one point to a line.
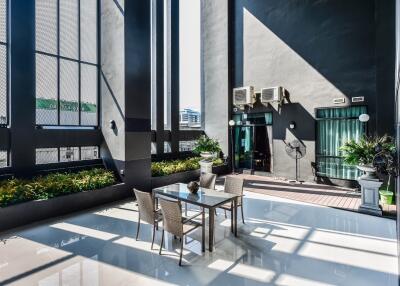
<point>184,177</point>
<point>32,211</point>
<point>221,170</point>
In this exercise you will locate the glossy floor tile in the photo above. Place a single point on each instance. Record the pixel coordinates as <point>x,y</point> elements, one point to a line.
<point>283,242</point>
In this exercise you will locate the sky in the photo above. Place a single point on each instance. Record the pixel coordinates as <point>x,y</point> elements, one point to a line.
<point>190,51</point>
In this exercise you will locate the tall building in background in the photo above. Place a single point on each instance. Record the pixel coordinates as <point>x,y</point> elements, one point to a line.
<point>189,118</point>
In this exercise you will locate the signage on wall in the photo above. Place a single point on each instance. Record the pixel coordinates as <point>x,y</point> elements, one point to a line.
<point>357,99</point>
<point>339,100</point>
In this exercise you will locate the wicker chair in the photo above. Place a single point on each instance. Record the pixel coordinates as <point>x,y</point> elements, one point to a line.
<point>234,185</point>
<point>174,223</point>
<point>147,212</point>
<point>207,180</point>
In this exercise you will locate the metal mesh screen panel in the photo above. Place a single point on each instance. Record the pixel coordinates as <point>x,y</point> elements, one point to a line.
<point>46,155</point>
<point>69,154</point>
<point>3,85</point>
<point>88,95</point>
<point>89,31</point>
<point>186,145</point>
<point>46,90</point>
<point>69,29</point>
<point>69,92</point>
<point>3,21</point>
<point>89,152</point>
<point>3,159</point>
<point>46,26</point>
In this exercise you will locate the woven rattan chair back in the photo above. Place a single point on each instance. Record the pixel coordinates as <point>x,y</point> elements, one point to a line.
<point>146,206</point>
<point>172,217</point>
<point>234,185</point>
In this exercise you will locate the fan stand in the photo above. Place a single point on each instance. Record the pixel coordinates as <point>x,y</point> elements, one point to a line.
<point>297,169</point>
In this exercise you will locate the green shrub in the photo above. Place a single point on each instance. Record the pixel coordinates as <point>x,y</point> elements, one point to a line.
<point>44,187</point>
<point>165,168</point>
<point>206,144</point>
<point>365,151</point>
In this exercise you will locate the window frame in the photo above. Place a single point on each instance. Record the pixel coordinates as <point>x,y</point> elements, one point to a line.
<point>78,61</point>
<point>317,174</point>
<point>7,46</point>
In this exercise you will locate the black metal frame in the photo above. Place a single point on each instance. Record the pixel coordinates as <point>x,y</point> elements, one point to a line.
<point>6,45</point>
<point>7,67</point>
<point>316,136</point>
<point>45,136</point>
<point>79,61</point>
<point>71,162</point>
<point>174,134</point>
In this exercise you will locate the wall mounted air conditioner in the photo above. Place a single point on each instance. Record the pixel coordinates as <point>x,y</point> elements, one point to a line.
<point>243,96</point>
<point>272,94</point>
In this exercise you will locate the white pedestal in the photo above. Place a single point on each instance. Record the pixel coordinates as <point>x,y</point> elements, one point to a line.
<point>370,196</point>
<point>206,166</point>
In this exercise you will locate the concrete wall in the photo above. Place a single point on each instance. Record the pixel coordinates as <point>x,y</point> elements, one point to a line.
<point>215,53</point>
<point>318,51</point>
<point>113,83</point>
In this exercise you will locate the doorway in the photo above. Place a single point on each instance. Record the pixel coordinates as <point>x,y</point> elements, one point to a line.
<point>253,147</point>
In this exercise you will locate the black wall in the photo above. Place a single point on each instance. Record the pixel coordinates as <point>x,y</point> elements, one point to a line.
<point>318,51</point>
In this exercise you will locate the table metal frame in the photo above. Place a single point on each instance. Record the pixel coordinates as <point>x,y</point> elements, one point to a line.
<point>211,213</point>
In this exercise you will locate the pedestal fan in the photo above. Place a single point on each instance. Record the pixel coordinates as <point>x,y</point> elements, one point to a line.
<point>296,150</point>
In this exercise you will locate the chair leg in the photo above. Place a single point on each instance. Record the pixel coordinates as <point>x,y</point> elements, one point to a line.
<point>225,214</point>
<point>138,228</point>
<point>162,242</point>
<point>215,212</point>
<point>180,256</point>
<point>241,208</point>
<point>154,234</point>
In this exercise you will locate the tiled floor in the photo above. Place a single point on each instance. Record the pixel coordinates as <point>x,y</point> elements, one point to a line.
<point>325,195</point>
<point>283,242</point>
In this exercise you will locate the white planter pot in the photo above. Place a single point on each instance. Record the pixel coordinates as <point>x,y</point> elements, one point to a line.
<point>207,155</point>
<point>369,172</point>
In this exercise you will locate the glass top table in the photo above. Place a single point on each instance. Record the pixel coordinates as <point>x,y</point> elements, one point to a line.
<point>206,199</point>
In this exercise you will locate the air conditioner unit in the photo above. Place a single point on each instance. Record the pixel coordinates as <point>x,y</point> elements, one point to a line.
<point>272,94</point>
<point>243,96</point>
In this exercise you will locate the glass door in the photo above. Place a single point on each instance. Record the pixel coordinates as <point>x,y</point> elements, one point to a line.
<point>244,142</point>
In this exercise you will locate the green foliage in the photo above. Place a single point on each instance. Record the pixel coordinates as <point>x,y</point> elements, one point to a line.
<point>165,168</point>
<point>365,151</point>
<point>206,144</point>
<point>44,187</point>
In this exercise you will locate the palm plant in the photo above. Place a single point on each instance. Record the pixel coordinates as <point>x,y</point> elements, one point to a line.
<point>367,150</point>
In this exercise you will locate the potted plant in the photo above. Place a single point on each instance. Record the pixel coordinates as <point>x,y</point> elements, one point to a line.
<point>371,155</point>
<point>207,147</point>
<point>367,154</point>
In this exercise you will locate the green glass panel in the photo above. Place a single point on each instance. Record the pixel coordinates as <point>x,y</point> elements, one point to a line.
<point>254,118</point>
<point>345,112</point>
<point>243,146</point>
<point>340,126</point>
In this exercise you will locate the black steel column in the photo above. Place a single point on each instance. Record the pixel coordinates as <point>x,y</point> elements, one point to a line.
<point>159,46</point>
<point>137,20</point>
<point>22,79</point>
<point>174,76</point>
